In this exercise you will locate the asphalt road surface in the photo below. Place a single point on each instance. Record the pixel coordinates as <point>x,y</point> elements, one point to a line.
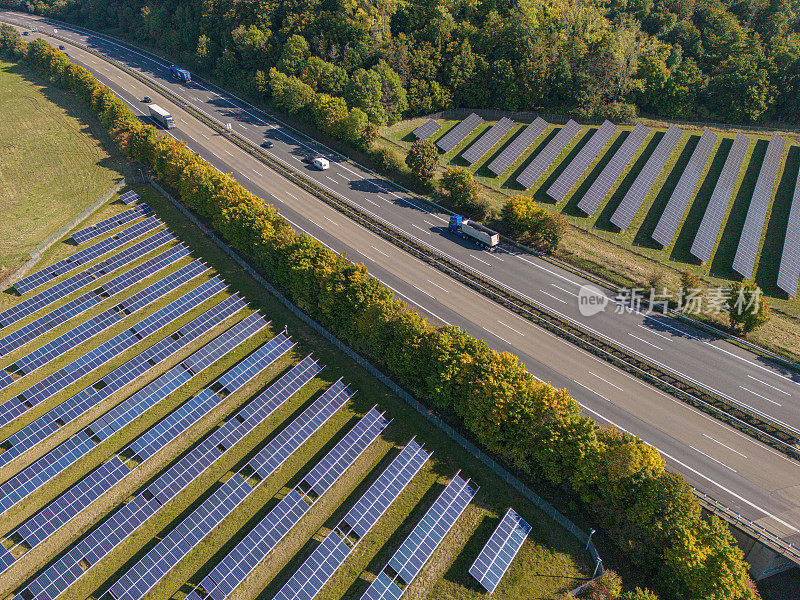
<point>749,477</point>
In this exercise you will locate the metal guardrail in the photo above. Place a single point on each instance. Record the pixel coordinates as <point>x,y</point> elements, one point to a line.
<point>779,436</point>
<point>763,535</point>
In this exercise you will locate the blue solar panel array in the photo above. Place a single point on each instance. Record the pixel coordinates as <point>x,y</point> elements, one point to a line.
<point>548,155</point>
<point>419,546</point>
<point>129,197</point>
<point>318,568</point>
<point>80,280</point>
<point>260,540</point>
<point>497,555</point>
<point>518,146</point>
<point>58,459</point>
<point>487,141</point>
<point>80,258</point>
<point>98,229</point>
<point>453,137</point>
<point>73,372</point>
<point>68,341</point>
<point>82,303</point>
<point>569,176</point>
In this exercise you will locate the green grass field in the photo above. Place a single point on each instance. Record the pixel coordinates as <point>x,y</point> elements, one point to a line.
<point>52,163</point>
<point>632,257</point>
<point>550,562</point>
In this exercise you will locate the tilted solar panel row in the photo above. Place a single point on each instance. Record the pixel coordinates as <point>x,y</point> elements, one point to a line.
<point>52,463</point>
<point>80,280</point>
<point>684,190</point>
<point>83,365</point>
<point>308,580</point>
<point>789,269</point>
<point>745,260</point>
<point>82,303</point>
<point>646,179</point>
<point>707,233</point>
<point>6,558</point>
<point>577,167</point>
<point>88,329</point>
<point>487,141</point>
<point>452,138</point>
<point>129,197</point>
<point>611,173</point>
<point>181,419</point>
<point>106,225</point>
<point>82,257</point>
<point>426,130</point>
<point>420,544</point>
<point>548,155</point>
<point>518,146</point>
<point>103,539</point>
<point>263,538</point>
<point>497,555</point>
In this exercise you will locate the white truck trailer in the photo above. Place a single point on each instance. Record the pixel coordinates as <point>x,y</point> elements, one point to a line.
<point>161,116</point>
<point>481,235</point>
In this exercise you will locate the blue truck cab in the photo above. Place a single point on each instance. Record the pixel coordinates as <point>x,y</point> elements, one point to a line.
<point>455,224</point>
<point>180,74</point>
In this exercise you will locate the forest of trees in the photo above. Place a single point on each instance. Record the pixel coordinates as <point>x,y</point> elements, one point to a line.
<point>727,60</point>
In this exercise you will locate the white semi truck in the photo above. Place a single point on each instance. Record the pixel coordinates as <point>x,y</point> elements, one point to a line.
<point>161,116</point>
<point>481,235</point>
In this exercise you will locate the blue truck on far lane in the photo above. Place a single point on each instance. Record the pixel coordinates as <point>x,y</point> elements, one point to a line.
<point>180,74</point>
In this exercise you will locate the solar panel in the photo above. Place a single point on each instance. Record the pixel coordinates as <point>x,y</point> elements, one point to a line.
<point>53,516</point>
<point>488,140</point>
<point>569,176</point>
<point>497,555</point>
<point>426,130</point>
<point>789,269</point>
<point>710,226</point>
<point>110,350</point>
<point>518,146</point>
<point>129,197</point>
<point>68,341</point>
<point>82,257</point>
<point>684,190</point>
<point>318,568</point>
<point>419,546</point>
<point>745,260</point>
<point>260,541</point>
<point>646,178</point>
<point>64,455</point>
<point>80,280</point>
<point>611,173</point>
<point>6,559</point>
<point>81,304</point>
<point>548,155</point>
<point>452,138</point>
<point>106,225</point>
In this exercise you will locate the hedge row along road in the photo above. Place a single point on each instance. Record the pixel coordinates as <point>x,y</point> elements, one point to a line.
<point>741,472</point>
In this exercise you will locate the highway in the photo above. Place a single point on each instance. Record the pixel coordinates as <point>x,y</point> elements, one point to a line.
<point>749,477</point>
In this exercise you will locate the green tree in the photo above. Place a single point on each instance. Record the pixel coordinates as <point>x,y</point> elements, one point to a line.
<point>393,94</point>
<point>639,594</point>
<point>365,90</point>
<point>460,185</point>
<point>422,159</point>
<point>289,93</point>
<point>747,307</point>
<point>295,55</point>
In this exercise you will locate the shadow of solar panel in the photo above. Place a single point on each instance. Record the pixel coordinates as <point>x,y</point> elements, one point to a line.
<point>106,225</point>
<point>569,176</point>
<point>789,269</point>
<point>426,130</point>
<point>423,540</point>
<point>518,146</point>
<point>497,555</point>
<point>550,153</point>
<point>745,260</point>
<point>488,140</point>
<point>452,138</point>
<point>611,173</point>
<point>684,190</point>
<point>707,233</point>
<point>646,178</point>
<point>82,257</point>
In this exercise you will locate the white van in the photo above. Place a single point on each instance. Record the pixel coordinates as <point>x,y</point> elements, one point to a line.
<point>321,163</point>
